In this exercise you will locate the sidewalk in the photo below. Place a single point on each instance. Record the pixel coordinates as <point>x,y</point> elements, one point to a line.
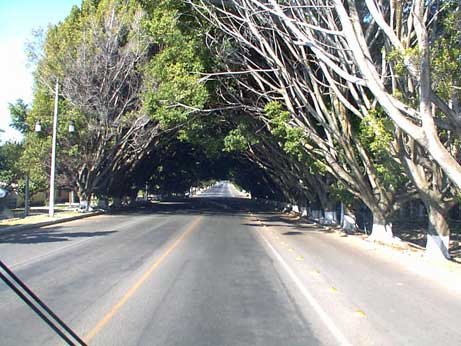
<point>36,221</point>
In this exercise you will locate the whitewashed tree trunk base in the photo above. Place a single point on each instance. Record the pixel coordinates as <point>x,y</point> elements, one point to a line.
<point>316,214</point>
<point>295,209</point>
<point>349,223</point>
<point>286,208</point>
<point>383,233</point>
<point>330,217</point>
<point>83,205</point>
<point>437,247</point>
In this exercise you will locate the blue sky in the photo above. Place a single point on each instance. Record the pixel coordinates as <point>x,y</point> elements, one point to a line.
<point>17,20</point>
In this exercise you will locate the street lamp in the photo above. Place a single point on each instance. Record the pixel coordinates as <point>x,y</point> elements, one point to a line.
<point>38,128</point>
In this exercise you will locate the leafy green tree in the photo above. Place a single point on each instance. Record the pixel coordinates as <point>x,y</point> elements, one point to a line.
<point>10,170</point>
<point>97,53</point>
<point>18,112</point>
<point>175,94</point>
<point>128,76</point>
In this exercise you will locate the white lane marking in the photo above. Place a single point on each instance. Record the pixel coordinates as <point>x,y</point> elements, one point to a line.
<point>315,305</point>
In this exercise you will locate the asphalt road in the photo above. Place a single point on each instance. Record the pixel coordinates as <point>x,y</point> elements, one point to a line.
<point>206,272</point>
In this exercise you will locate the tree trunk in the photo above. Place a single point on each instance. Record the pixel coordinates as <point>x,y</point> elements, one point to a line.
<point>82,200</point>
<point>315,211</point>
<point>295,209</point>
<point>349,223</point>
<point>304,212</point>
<point>85,199</point>
<point>103,203</point>
<point>132,197</point>
<point>116,202</point>
<point>381,230</point>
<point>438,233</point>
<point>330,213</point>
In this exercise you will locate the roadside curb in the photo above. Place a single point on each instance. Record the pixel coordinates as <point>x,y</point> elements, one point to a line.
<point>19,228</point>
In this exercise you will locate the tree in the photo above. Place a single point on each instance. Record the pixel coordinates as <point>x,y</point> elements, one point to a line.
<point>97,54</point>
<point>319,114</point>
<point>335,65</point>
<point>10,171</point>
<point>18,112</point>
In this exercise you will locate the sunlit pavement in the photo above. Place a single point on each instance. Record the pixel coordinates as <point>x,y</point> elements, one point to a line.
<point>216,270</point>
<point>221,190</point>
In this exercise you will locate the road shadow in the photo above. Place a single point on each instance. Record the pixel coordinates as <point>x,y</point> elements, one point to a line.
<point>47,235</point>
<point>251,224</point>
<point>301,225</point>
<point>197,206</point>
<point>293,233</point>
<point>204,206</point>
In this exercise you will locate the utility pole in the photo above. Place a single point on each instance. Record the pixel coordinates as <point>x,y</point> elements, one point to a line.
<point>26,197</point>
<point>53,151</point>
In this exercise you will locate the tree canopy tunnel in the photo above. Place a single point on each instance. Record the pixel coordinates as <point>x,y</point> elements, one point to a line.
<point>177,166</point>
<point>307,102</point>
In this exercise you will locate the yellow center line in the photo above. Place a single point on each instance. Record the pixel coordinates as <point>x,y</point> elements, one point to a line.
<point>139,283</point>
